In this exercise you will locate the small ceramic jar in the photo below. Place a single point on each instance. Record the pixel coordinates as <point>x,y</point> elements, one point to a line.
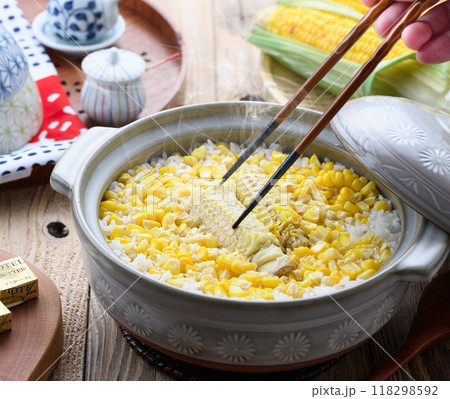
<point>113,93</point>
<point>21,112</point>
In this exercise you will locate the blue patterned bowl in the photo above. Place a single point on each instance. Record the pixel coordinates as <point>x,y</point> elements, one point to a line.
<point>20,105</point>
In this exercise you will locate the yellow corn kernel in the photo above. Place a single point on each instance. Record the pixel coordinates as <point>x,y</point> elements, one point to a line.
<point>238,266</point>
<point>109,205</point>
<point>251,277</point>
<point>153,253</point>
<point>309,227</point>
<point>267,294</point>
<point>118,231</point>
<point>346,194</point>
<point>168,169</point>
<point>158,215</point>
<point>385,256</point>
<point>351,207</point>
<point>110,195</point>
<point>278,156</point>
<point>367,273</point>
<point>138,218</point>
<point>270,167</point>
<point>368,237</point>
<point>224,150</point>
<point>184,191</point>
<point>327,280</point>
<point>158,244</point>
<point>149,224</point>
<point>216,158</point>
<point>319,247</point>
<point>381,205</point>
<point>235,291</point>
<point>220,291</point>
<point>189,160</point>
<point>324,270</point>
<point>202,254</point>
<point>177,282</point>
<point>370,264</point>
<point>302,251</point>
<point>117,219</point>
<point>357,185</point>
<point>102,212</point>
<point>270,281</point>
<point>173,265</point>
<point>350,271</point>
<point>142,246</point>
<point>124,178</point>
<point>327,255</point>
<point>312,215</point>
<point>199,152</point>
<point>369,189</point>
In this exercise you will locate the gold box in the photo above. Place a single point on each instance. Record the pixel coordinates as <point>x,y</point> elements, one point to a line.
<point>18,283</point>
<point>5,318</point>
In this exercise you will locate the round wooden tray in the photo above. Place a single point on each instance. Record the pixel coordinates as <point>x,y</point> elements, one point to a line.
<point>148,33</point>
<point>281,84</point>
<point>30,350</point>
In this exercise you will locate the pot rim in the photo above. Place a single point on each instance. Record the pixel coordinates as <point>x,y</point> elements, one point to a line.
<point>99,247</point>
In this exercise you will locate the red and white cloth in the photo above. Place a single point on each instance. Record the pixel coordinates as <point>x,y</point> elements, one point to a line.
<point>61,123</point>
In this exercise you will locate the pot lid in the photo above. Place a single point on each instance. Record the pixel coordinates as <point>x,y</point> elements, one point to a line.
<point>113,65</point>
<point>406,146</point>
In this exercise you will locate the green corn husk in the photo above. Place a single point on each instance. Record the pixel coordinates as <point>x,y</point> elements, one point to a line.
<point>399,77</point>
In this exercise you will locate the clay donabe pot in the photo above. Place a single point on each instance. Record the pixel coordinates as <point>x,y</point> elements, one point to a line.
<point>225,333</point>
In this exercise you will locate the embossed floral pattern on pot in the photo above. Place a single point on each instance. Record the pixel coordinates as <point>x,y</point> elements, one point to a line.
<point>291,347</point>
<point>185,339</point>
<point>344,335</point>
<point>236,348</point>
<point>405,134</point>
<point>104,294</point>
<point>384,313</point>
<point>436,160</point>
<point>138,320</point>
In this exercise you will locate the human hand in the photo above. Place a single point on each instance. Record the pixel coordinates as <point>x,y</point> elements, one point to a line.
<point>429,35</point>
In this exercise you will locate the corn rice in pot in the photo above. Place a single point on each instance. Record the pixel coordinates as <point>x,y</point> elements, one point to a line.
<point>321,228</point>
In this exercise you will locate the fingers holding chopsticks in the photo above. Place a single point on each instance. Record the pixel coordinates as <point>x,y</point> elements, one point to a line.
<point>429,35</point>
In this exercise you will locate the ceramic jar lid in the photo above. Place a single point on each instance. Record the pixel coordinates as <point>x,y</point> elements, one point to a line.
<point>113,65</point>
<point>406,146</point>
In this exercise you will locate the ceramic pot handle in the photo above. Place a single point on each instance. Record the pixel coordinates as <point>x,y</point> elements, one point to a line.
<point>67,168</point>
<point>419,264</point>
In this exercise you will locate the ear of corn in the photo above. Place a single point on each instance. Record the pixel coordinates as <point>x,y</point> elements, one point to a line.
<point>218,212</point>
<point>300,34</point>
<point>283,221</point>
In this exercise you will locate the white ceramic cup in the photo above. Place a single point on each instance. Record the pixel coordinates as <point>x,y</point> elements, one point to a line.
<point>82,21</point>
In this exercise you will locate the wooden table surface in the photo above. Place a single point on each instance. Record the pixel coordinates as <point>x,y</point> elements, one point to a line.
<point>221,66</point>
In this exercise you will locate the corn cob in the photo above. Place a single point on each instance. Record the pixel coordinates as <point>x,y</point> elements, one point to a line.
<point>283,221</point>
<point>217,213</point>
<point>324,31</point>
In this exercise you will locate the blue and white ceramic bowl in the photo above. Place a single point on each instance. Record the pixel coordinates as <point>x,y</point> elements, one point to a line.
<point>82,21</point>
<point>21,112</point>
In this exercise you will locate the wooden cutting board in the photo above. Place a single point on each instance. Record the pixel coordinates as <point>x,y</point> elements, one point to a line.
<point>31,349</point>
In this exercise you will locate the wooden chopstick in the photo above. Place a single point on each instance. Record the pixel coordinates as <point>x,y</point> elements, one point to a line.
<point>364,23</point>
<point>411,14</point>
